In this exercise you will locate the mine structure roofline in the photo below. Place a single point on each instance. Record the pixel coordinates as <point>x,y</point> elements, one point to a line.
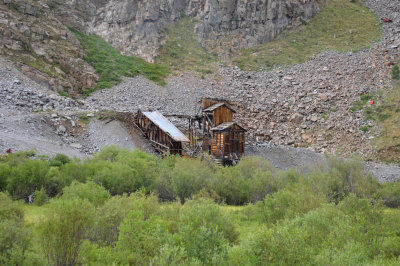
<point>165,125</point>
<point>227,125</point>
<point>216,106</point>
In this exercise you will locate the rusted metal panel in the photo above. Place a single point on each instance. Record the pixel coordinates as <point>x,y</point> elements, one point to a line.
<point>165,125</point>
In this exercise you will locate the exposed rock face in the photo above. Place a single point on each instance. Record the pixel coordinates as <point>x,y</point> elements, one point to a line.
<point>35,33</point>
<point>137,27</point>
<point>43,47</point>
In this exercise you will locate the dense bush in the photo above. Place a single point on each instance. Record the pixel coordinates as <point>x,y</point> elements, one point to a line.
<point>115,210</point>
<point>95,194</point>
<point>123,207</point>
<point>122,171</point>
<point>66,226</point>
<point>14,238</point>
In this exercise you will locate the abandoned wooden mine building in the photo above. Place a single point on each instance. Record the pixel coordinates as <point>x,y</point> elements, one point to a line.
<point>163,135</point>
<point>211,130</point>
<point>222,137</point>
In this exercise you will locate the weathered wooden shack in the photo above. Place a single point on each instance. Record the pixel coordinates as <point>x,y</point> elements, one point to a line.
<point>228,141</point>
<point>222,138</point>
<point>163,135</point>
<point>219,113</point>
<point>215,113</point>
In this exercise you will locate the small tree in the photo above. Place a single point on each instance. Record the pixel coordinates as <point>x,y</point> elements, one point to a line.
<point>64,230</point>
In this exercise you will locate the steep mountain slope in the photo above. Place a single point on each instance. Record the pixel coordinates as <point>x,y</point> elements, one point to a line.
<point>42,47</point>
<point>138,26</point>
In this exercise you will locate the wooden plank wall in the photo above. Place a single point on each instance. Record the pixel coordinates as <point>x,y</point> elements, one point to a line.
<point>154,133</point>
<point>222,115</point>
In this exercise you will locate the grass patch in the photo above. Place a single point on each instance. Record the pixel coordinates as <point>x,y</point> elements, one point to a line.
<point>182,50</point>
<point>107,114</point>
<point>111,65</point>
<point>39,63</point>
<point>395,72</point>
<point>84,119</point>
<point>365,128</point>
<point>387,116</point>
<point>358,105</point>
<point>341,25</point>
<point>64,93</point>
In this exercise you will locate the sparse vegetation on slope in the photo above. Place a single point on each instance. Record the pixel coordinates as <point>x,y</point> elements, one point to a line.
<point>182,49</point>
<point>111,65</point>
<point>342,25</point>
<point>387,116</point>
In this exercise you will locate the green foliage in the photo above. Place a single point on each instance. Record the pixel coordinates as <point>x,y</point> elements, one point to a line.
<point>5,171</point>
<point>95,194</point>
<point>59,160</point>
<point>140,238</point>
<point>205,231</point>
<point>111,65</point>
<point>29,176</point>
<point>188,177</point>
<point>395,72</point>
<point>62,158</point>
<point>66,226</point>
<point>14,238</point>
<point>336,214</point>
<point>40,197</point>
<point>287,204</point>
<point>115,210</point>
<point>84,119</point>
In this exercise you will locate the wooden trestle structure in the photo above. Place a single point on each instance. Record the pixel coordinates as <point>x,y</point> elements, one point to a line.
<point>211,129</point>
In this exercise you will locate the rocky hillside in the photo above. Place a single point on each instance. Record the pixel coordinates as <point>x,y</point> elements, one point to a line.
<point>36,35</point>
<point>33,36</point>
<point>307,105</point>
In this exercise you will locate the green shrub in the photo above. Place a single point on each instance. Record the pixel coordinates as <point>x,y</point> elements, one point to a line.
<point>140,238</point>
<point>395,72</point>
<point>390,194</point>
<point>173,255</point>
<point>347,176</point>
<point>4,174</point>
<point>286,204</point>
<point>115,210</point>
<point>62,158</point>
<point>67,224</point>
<point>59,160</point>
<point>27,177</point>
<point>40,197</point>
<point>189,177</point>
<point>231,186</point>
<point>14,238</point>
<point>95,194</point>
<point>205,231</point>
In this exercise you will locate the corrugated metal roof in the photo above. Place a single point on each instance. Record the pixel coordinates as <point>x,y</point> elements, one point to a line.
<point>217,105</point>
<point>225,125</point>
<point>165,125</point>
